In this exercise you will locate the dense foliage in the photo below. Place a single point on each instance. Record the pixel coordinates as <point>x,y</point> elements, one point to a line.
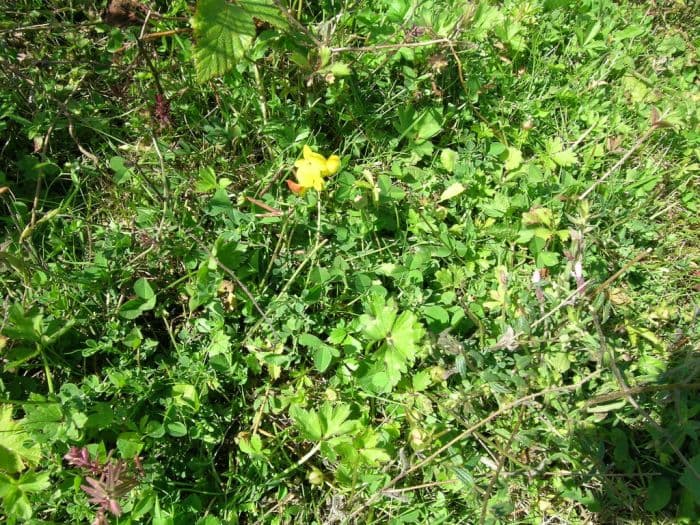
<point>349,261</point>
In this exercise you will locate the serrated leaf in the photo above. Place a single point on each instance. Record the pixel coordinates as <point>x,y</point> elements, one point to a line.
<point>565,158</point>
<point>377,326</point>
<point>375,455</point>
<point>334,418</point>
<point>16,451</point>
<point>374,379</point>
<point>206,180</point>
<point>308,422</point>
<point>224,31</point>
<point>406,334</point>
<point>690,480</point>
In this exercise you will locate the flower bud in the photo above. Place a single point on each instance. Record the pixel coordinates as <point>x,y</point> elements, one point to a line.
<point>315,477</point>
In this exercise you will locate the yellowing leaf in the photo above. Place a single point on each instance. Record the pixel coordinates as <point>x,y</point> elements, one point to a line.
<point>448,159</point>
<point>514,159</point>
<point>565,158</point>
<point>452,191</point>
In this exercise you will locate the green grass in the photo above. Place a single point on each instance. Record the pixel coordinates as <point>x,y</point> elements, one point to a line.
<point>488,315</point>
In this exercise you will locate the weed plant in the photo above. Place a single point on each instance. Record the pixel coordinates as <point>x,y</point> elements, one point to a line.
<point>345,261</point>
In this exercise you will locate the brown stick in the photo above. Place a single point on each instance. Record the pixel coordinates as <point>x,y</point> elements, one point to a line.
<point>657,123</point>
<point>493,415</point>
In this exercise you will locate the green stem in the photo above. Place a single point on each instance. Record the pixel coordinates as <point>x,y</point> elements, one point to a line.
<point>47,370</point>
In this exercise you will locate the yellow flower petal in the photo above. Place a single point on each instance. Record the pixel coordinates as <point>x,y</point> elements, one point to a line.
<point>312,156</point>
<point>332,164</point>
<point>310,179</point>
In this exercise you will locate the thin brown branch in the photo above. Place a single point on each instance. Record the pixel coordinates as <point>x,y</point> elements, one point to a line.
<point>298,25</point>
<point>388,47</point>
<point>640,389</point>
<point>501,462</point>
<point>260,204</point>
<point>160,34</point>
<point>657,123</point>
<point>622,270</point>
<point>81,149</point>
<point>632,401</point>
<point>466,433</point>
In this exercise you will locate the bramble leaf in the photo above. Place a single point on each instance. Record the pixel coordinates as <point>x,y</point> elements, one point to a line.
<point>224,31</point>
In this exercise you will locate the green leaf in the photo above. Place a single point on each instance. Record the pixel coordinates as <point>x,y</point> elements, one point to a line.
<point>143,289</point>
<point>186,396</point>
<point>451,191</point>
<point>322,358</point>
<point>176,429</point>
<point>34,482</point>
<point>225,31</point>
<point>16,504</point>
<point>377,326</point>
<point>658,494</point>
<point>690,480</point>
<point>547,259</point>
<point>429,124</point>
<point>21,325</point>
<point>323,353</point>
<point>400,334</point>
<point>131,309</point>
<point>220,202</point>
<point>448,159</point>
<point>308,422</point>
<point>340,69</point>
<point>437,315</point>
<point>334,419</point>
<point>565,158</point>
<point>129,444</point>
<point>560,156</point>
<point>513,159</point>
<point>16,451</point>
<point>206,180</point>
<point>421,381</point>
<point>329,421</point>
<point>121,172</point>
<point>146,300</point>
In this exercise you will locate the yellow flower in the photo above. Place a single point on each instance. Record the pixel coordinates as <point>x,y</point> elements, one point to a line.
<point>311,169</point>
